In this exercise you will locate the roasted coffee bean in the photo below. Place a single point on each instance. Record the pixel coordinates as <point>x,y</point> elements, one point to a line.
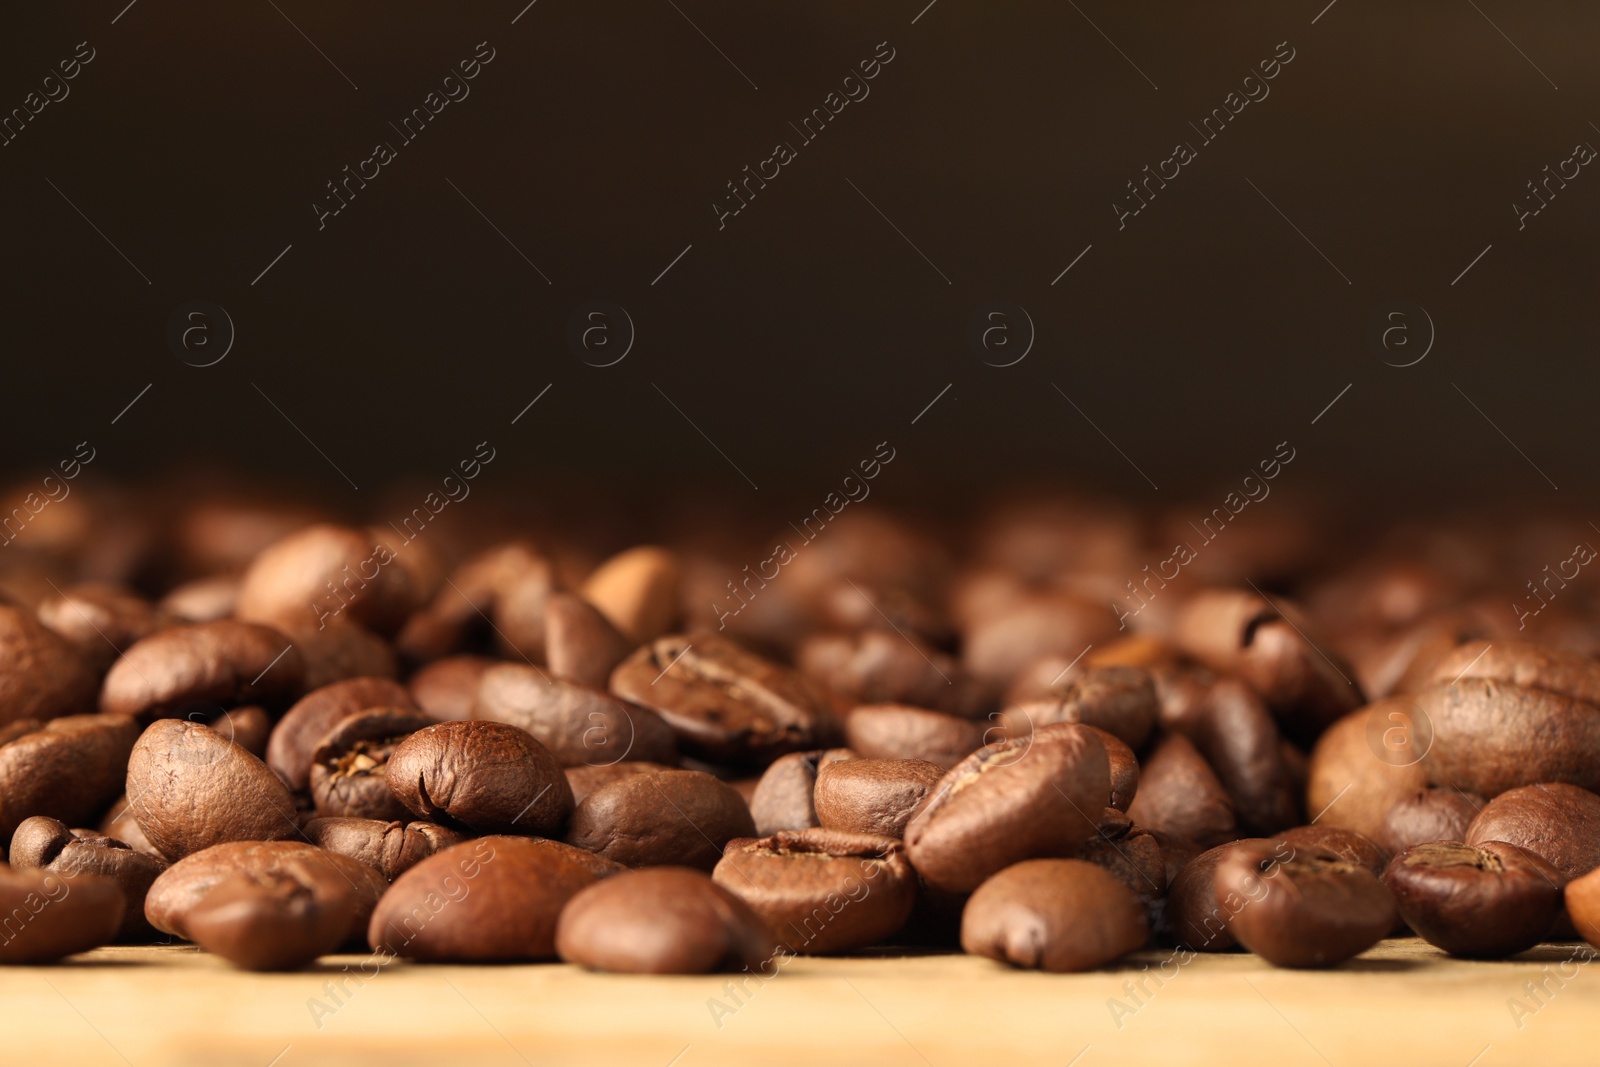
<point>203,664</point>
<point>674,818</point>
<point>339,882</point>
<point>1583,906</point>
<point>268,923</point>
<point>998,647</point>
<point>1521,663</point>
<point>447,688</point>
<point>1428,815</point>
<point>1119,700</point>
<point>1132,854</point>
<point>327,572</point>
<point>822,891</point>
<point>44,674</point>
<point>203,599</point>
<point>191,788</point>
<point>894,731</point>
<point>783,798</point>
<point>1176,852</point>
<point>248,727</point>
<point>462,612</point>
<point>50,915</point>
<point>68,769</point>
<point>349,766</point>
<point>724,704</point>
<point>101,619</point>
<point>881,667</point>
<point>1357,848</point>
<point>873,796</point>
<point>638,591</point>
<point>581,645</point>
<point>585,779</point>
<point>495,898</point>
<point>1197,915</point>
<point>392,848</point>
<point>1557,822</point>
<point>1037,796</point>
<point>1367,763</point>
<point>519,610</point>
<point>579,725</point>
<point>486,776</point>
<point>1236,734</point>
<point>1058,915</point>
<point>1490,736</point>
<point>120,825</point>
<point>664,920</point>
<point>308,722</point>
<point>1179,794</point>
<point>1483,901</point>
<point>1124,769</point>
<point>1313,909</point>
<point>1265,644</point>
<point>48,843</point>
<point>340,650</point>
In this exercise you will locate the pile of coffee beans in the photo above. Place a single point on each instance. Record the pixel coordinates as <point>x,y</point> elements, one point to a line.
<point>247,725</point>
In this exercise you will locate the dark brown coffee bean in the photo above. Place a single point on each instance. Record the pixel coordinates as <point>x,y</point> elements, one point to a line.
<point>638,591</point>
<point>248,727</point>
<point>822,891</point>
<point>68,769</point>
<point>726,705</point>
<point>1486,901</point>
<point>1057,915</point>
<point>329,572</point>
<point>495,898</point>
<point>519,610</point>
<point>349,766</point>
<point>1429,815</point>
<point>101,619</point>
<point>49,915</point>
<point>1557,822</point>
<point>392,848</point>
<point>579,725</point>
<point>1521,663</point>
<point>463,612</point>
<point>486,776</point>
<point>1179,794</point>
<point>1313,909</point>
<point>1237,735</point>
<point>339,882</point>
<point>447,688</point>
<point>585,780</point>
<point>1033,797</point>
<point>1265,644</point>
<point>664,920</point>
<point>340,650</point>
<point>895,731</point>
<point>120,825</point>
<point>873,796</point>
<point>1583,906</point>
<point>674,818</point>
<point>1119,700</point>
<point>203,664</point>
<point>1490,736</point>
<point>1131,853</point>
<point>268,923</point>
<point>190,788</point>
<point>1124,769</point>
<point>1197,917</point>
<point>1357,848</point>
<point>313,715</point>
<point>881,667</point>
<point>49,844</point>
<point>783,797</point>
<point>581,645</point>
<point>1367,763</point>
<point>44,675</point>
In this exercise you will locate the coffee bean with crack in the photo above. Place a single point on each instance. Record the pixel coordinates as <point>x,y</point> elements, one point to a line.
<point>392,848</point>
<point>349,766</point>
<point>313,715</point>
<point>191,788</point>
<point>485,776</point>
<point>49,844</point>
<point>726,705</point>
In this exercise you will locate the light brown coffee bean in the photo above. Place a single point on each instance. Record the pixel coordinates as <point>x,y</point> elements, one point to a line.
<point>68,768</point>
<point>327,572</point>
<point>1368,762</point>
<point>1119,700</point>
<point>44,675</point>
<point>638,591</point>
<point>1490,736</point>
<point>100,618</point>
<point>581,645</point>
<point>1429,815</point>
<point>203,664</point>
<point>579,725</point>
<point>1523,663</point>
<point>881,667</point>
<point>585,780</point>
<point>1555,821</point>
<point>873,796</point>
<point>447,688</point>
<point>1058,915</point>
<point>894,731</point>
<point>663,920</point>
<point>783,797</point>
<point>674,818</point>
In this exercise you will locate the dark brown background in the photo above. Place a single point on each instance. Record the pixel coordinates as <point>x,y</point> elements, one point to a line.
<point>808,330</point>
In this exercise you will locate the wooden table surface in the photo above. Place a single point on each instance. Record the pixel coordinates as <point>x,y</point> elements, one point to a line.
<point>1401,1003</point>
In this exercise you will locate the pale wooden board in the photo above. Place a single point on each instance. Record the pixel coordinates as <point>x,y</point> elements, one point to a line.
<point>1402,1002</point>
